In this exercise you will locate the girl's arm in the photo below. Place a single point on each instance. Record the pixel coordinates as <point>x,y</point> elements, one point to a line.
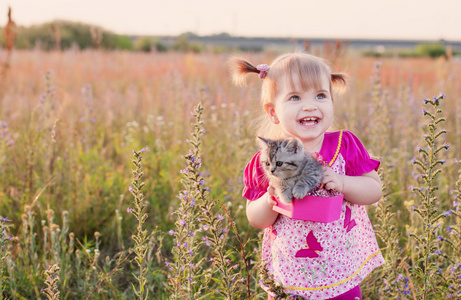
<point>364,189</point>
<point>259,211</point>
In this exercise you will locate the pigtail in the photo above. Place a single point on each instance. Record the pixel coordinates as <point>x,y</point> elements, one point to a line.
<point>239,69</point>
<point>339,82</point>
<point>338,78</point>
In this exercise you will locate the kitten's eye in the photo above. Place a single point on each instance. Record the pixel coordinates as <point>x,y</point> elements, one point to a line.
<point>279,164</point>
<point>295,98</point>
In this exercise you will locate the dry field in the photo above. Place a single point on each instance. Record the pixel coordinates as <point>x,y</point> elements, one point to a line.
<point>69,122</point>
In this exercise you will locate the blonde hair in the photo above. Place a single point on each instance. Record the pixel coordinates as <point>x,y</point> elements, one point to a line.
<point>308,68</point>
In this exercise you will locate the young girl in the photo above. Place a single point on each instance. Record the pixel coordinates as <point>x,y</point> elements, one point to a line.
<point>298,102</point>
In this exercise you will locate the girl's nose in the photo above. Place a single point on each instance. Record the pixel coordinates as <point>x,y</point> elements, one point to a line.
<point>309,107</point>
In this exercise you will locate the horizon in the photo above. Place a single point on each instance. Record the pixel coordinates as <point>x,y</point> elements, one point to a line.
<point>356,19</point>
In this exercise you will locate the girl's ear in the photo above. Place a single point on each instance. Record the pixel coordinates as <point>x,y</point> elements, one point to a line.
<point>270,111</point>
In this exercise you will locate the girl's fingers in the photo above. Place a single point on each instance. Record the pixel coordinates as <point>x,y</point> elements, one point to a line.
<point>271,200</point>
<point>330,186</point>
<point>271,191</point>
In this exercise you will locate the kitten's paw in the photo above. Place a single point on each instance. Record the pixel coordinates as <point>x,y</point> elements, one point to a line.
<point>300,192</point>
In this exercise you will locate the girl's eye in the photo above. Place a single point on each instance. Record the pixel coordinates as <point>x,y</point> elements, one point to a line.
<point>267,163</point>
<point>279,164</point>
<point>295,98</point>
<point>321,96</point>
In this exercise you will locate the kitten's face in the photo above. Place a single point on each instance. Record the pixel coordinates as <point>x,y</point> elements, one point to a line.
<point>281,158</point>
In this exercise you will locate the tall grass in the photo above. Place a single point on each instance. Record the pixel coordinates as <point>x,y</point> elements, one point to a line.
<point>71,120</point>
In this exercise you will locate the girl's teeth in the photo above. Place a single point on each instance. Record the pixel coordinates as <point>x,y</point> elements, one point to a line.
<point>309,121</point>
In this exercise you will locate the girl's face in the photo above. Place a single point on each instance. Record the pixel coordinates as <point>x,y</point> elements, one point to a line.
<point>303,114</point>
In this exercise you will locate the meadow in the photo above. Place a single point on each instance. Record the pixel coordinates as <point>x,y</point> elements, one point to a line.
<point>121,174</point>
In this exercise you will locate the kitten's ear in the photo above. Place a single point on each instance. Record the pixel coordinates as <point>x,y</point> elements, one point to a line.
<point>263,142</point>
<point>294,145</point>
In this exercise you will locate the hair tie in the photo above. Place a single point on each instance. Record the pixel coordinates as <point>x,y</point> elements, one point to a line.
<point>262,70</point>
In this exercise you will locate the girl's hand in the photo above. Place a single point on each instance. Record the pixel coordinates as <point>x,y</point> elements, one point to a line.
<point>332,180</point>
<point>260,213</point>
<point>271,193</point>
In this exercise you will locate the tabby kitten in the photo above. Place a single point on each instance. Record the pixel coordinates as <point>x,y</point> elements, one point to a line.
<point>291,171</point>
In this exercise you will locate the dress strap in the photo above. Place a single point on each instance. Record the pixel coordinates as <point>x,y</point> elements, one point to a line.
<point>337,149</point>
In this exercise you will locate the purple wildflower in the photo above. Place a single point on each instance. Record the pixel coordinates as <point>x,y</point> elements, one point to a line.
<point>171,232</point>
<point>182,223</point>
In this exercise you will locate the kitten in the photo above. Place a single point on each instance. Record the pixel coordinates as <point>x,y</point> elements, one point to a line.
<point>291,171</point>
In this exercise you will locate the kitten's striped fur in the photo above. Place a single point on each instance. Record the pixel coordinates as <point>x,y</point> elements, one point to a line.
<point>291,171</point>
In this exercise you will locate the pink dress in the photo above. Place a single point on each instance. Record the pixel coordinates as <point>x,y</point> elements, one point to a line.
<point>321,260</point>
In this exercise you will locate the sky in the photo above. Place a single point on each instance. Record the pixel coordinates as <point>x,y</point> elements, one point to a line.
<point>383,19</point>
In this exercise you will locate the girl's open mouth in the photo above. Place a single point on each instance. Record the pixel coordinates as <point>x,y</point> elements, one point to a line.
<point>309,121</point>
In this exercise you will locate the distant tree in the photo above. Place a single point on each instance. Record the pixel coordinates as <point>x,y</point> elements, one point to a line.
<point>123,42</point>
<point>183,43</point>
<point>431,49</point>
<point>148,44</point>
<point>70,33</point>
